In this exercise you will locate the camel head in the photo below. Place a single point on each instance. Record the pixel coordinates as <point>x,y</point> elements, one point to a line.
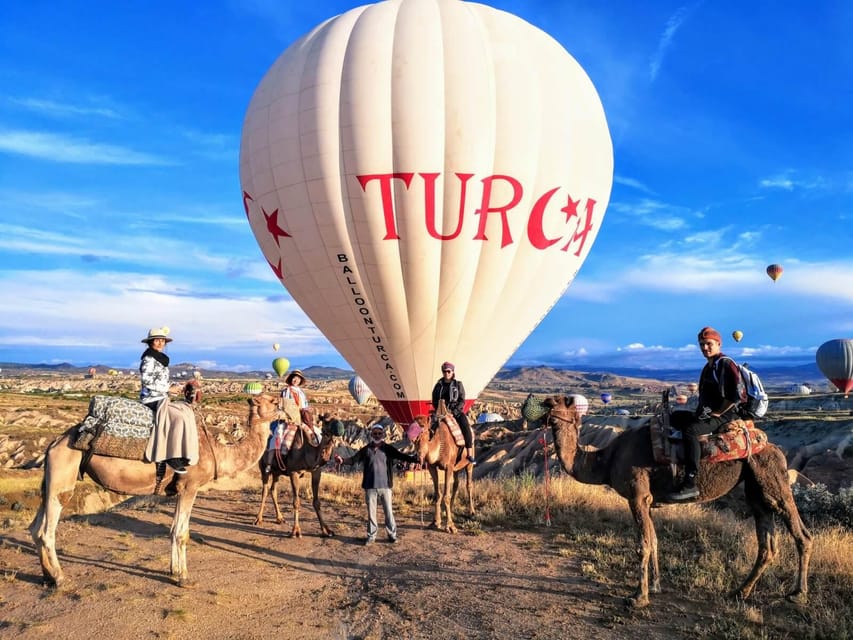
<point>565,426</point>
<point>418,434</point>
<point>263,408</point>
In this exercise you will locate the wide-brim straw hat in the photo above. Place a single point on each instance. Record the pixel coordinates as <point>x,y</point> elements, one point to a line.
<point>162,332</point>
<point>295,372</point>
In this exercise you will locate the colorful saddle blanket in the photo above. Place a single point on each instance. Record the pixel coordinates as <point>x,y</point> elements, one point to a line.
<point>455,429</point>
<point>115,426</point>
<point>739,439</point>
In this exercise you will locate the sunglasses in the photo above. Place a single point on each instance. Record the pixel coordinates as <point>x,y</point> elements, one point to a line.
<point>448,371</point>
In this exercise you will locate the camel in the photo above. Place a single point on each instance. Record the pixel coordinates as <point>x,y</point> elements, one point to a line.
<point>135,477</point>
<point>441,452</point>
<point>302,459</point>
<point>627,465</point>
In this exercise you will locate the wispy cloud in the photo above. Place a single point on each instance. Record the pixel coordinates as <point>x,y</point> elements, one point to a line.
<point>788,182</point>
<point>632,183</point>
<point>68,149</point>
<point>64,109</point>
<point>655,214</point>
<point>672,26</point>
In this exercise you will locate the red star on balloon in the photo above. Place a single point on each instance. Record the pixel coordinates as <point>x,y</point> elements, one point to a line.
<point>272,226</point>
<point>276,268</point>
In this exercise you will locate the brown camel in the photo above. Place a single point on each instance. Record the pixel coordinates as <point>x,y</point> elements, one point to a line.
<point>440,451</point>
<point>627,465</point>
<point>302,459</point>
<point>134,477</point>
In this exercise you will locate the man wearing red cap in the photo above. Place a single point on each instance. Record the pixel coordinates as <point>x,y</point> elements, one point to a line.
<point>452,391</point>
<point>721,391</point>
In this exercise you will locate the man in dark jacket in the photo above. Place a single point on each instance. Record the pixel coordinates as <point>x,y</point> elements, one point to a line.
<point>378,479</point>
<point>452,391</point>
<point>721,391</point>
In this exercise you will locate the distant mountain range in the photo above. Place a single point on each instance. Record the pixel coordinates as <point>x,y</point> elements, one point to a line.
<point>541,378</point>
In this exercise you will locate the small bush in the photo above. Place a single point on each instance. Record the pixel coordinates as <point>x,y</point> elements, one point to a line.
<point>821,508</point>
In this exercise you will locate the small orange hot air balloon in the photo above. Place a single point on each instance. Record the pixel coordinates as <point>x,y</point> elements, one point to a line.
<point>737,335</point>
<point>774,271</point>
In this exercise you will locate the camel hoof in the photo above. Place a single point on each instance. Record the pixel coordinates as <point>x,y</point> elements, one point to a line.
<point>186,583</point>
<point>798,597</point>
<point>637,600</point>
<point>329,534</point>
<point>259,523</point>
<point>738,595</point>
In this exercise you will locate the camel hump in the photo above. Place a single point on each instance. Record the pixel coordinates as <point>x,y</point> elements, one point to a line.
<point>115,426</point>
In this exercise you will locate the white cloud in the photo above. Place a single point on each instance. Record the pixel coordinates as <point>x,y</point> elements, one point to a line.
<point>64,109</point>
<point>654,213</point>
<point>672,26</point>
<point>67,149</point>
<point>111,311</point>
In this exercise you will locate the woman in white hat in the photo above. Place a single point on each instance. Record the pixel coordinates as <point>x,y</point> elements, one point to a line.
<point>174,439</point>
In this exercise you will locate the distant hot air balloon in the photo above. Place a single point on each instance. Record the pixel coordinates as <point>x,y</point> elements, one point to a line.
<point>253,388</point>
<point>280,366</point>
<point>737,335</point>
<point>370,164</point>
<point>92,372</point>
<point>581,404</point>
<point>276,346</point>
<point>622,412</point>
<point>606,398</point>
<point>800,389</point>
<point>774,271</point>
<point>693,387</point>
<point>835,360</point>
<point>197,374</point>
<point>489,417</point>
<point>359,390</point>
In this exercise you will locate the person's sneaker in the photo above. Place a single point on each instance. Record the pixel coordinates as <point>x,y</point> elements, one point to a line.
<point>688,491</point>
<point>472,460</point>
<point>177,465</point>
<point>268,469</point>
<point>392,539</point>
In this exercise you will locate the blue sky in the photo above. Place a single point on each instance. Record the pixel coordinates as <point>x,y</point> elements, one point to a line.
<point>120,200</point>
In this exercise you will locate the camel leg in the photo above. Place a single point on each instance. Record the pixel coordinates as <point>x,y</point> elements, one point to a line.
<point>767,490</point>
<point>436,499</point>
<point>60,477</point>
<point>640,504</point>
<point>449,490</point>
<point>316,474</point>
<point>296,532</point>
<point>279,516</point>
<point>469,485</point>
<point>180,536</point>
<point>266,483</point>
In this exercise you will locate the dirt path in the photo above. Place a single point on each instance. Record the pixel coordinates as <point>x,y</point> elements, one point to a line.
<point>258,583</point>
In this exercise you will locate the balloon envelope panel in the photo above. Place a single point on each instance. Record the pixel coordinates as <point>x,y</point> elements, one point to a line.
<point>425,177</point>
<point>835,360</point>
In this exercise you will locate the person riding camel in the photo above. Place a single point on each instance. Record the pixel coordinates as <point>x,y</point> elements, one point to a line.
<point>174,439</point>
<point>292,393</point>
<point>452,391</point>
<point>721,391</point>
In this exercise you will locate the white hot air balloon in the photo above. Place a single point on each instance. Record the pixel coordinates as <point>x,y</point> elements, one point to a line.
<point>359,390</point>
<point>581,404</point>
<point>414,170</point>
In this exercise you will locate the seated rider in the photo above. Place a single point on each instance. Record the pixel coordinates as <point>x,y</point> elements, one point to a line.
<point>721,392</point>
<point>294,393</point>
<point>452,391</point>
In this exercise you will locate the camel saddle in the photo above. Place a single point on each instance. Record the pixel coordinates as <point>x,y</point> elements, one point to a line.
<point>455,429</point>
<point>736,440</point>
<point>114,426</point>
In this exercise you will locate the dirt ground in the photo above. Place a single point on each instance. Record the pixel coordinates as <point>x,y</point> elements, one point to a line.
<point>257,582</point>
